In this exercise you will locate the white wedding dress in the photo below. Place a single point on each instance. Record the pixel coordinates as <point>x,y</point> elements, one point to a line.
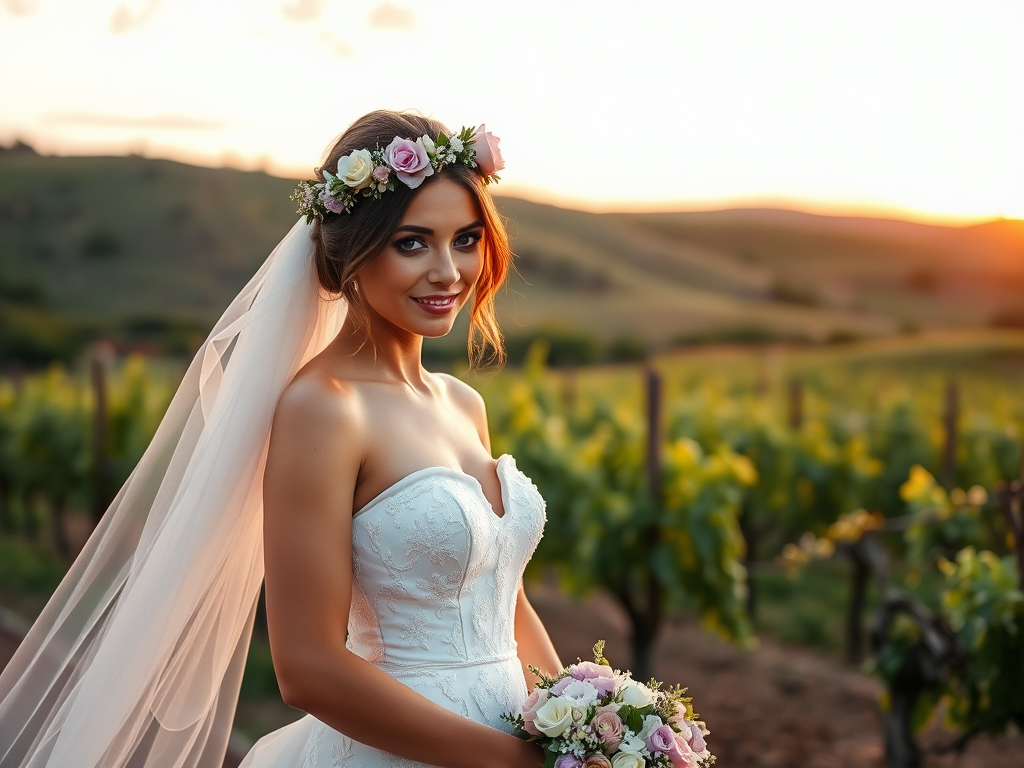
<point>435,578</point>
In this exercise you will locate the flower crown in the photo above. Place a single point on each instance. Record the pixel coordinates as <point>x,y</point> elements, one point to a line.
<point>370,173</point>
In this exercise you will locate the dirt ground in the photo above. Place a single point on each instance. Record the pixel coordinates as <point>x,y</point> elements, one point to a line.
<point>773,706</point>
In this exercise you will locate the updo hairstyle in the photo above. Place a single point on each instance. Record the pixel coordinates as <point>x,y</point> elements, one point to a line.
<point>343,243</point>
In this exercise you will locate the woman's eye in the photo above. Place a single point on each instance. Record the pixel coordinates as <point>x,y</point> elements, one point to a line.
<point>467,239</point>
<point>408,245</point>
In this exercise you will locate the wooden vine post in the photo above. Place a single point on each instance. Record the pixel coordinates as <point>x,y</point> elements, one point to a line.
<point>796,403</point>
<point>1011,501</point>
<point>950,420</point>
<point>100,461</point>
<point>644,605</point>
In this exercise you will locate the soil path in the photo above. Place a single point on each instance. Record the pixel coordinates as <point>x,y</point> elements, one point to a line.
<point>773,706</point>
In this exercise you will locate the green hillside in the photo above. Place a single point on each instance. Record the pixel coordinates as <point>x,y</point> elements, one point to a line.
<point>150,251</point>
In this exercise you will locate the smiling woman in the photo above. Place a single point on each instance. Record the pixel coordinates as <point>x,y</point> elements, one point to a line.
<point>402,629</point>
<point>418,283</point>
<point>344,243</point>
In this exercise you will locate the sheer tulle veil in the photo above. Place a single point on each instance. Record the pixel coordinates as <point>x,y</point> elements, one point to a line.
<point>138,657</point>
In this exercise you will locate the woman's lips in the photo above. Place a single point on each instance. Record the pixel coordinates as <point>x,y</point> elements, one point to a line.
<point>438,304</point>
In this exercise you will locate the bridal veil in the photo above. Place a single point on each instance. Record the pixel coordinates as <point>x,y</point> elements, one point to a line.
<point>137,659</point>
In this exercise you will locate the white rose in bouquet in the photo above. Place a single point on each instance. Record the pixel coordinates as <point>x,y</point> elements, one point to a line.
<point>627,760</point>
<point>554,718</point>
<point>637,694</point>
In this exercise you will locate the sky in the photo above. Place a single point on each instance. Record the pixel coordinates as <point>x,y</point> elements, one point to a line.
<point>899,108</point>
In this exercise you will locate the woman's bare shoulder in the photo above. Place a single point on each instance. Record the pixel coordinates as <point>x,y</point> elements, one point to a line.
<point>467,400</point>
<point>318,434</point>
<point>318,398</point>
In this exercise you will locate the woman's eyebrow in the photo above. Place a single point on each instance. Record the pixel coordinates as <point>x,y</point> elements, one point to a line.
<point>475,225</point>
<point>428,231</point>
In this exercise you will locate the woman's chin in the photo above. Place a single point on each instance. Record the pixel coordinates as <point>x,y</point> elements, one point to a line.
<point>437,333</point>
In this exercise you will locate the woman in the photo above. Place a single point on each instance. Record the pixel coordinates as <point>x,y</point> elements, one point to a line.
<point>393,544</point>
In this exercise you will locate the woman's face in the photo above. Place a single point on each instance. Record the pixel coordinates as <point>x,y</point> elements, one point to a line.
<point>424,276</point>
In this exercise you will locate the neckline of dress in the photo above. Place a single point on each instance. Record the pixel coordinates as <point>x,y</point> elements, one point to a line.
<point>416,475</point>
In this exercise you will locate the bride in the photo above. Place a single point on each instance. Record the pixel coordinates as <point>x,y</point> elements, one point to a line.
<point>308,444</point>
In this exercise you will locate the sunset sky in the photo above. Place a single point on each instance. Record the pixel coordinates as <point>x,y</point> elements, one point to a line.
<point>897,107</point>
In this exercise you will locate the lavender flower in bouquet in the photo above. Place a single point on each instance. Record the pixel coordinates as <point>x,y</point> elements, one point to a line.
<point>593,716</point>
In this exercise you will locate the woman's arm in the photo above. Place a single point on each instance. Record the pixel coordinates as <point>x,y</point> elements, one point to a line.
<point>312,466</point>
<point>535,646</point>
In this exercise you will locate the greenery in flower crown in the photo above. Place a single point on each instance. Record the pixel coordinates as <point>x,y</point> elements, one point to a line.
<point>370,173</point>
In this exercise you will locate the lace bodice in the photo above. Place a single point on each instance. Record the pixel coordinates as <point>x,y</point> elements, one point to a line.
<point>436,571</point>
<point>435,578</point>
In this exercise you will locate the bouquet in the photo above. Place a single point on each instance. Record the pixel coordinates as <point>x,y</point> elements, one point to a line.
<point>593,716</point>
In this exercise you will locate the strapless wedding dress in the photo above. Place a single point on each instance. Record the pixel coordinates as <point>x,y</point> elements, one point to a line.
<point>435,577</point>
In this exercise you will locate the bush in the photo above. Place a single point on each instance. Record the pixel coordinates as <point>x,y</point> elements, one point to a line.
<point>742,334</point>
<point>565,347</point>
<point>100,244</point>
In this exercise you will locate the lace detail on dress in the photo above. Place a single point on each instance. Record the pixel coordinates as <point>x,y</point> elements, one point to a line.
<point>341,753</point>
<point>456,641</point>
<point>442,589</point>
<point>493,694</point>
<point>415,632</point>
<point>311,755</point>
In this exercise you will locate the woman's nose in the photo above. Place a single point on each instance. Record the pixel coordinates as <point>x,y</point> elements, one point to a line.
<point>444,269</point>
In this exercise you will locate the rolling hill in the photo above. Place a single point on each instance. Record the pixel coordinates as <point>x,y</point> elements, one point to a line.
<point>136,246</point>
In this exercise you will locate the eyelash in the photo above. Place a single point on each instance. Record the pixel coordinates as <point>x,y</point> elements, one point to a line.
<point>400,245</point>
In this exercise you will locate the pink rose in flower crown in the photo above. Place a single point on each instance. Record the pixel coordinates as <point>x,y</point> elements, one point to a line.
<point>607,726</point>
<point>488,159</point>
<point>597,761</point>
<point>410,161</point>
<point>538,698</point>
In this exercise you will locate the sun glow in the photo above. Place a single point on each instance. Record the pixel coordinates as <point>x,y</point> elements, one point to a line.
<point>892,109</point>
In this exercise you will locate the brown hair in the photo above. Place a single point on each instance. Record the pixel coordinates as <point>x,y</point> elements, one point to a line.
<point>344,243</point>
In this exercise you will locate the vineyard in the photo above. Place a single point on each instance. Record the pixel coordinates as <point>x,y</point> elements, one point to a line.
<point>694,486</point>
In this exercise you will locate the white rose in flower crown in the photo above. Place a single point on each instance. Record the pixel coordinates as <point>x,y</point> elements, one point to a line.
<point>554,718</point>
<point>637,694</point>
<point>627,760</point>
<point>355,169</point>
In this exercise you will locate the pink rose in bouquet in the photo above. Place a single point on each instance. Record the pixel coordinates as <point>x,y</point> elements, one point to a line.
<point>592,716</point>
<point>410,161</point>
<point>537,698</point>
<point>680,753</point>
<point>691,729</point>
<point>608,728</point>
<point>661,739</point>
<point>601,676</point>
<point>488,156</point>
